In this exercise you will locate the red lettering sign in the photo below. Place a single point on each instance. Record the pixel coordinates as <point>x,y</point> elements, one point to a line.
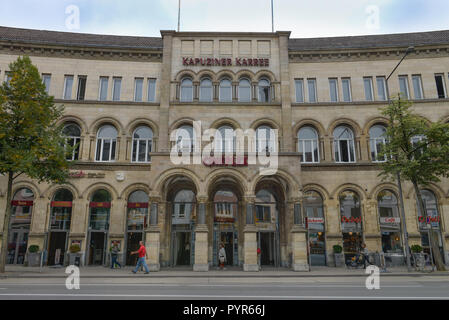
<point>100,204</point>
<point>351,219</point>
<point>137,204</point>
<point>428,219</point>
<point>61,204</point>
<point>21,203</point>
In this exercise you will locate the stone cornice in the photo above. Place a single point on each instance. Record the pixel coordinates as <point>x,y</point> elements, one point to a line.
<point>363,103</point>
<point>69,52</point>
<point>369,54</point>
<point>339,167</point>
<point>116,166</point>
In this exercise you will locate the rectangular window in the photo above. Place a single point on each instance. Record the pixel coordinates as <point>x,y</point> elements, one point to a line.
<point>346,86</point>
<point>138,89</point>
<point>441,87</point>
<point>103,88</point>
<point>117,88</point>
<point>333,89</point>
<point>368,84</point>
<point>417,87</point>
<point>311,83</point>
<point>46,80</point>
<point>68,84</point>
<point>403,87</point>
<point>81,87</point>
<point>151,90</point>
<point>381,88</point>
<point>299,85</point>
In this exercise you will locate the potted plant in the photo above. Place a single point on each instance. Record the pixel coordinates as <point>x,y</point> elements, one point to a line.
<point>339,257</point>
<point>418,256</point>
<point>75,254</point>
<point>34,256</point>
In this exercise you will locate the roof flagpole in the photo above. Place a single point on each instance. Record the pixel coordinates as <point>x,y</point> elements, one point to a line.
<point>179,14</point>
<point>272,17</point>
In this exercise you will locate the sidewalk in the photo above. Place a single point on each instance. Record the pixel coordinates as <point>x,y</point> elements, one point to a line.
<point>233,272</point>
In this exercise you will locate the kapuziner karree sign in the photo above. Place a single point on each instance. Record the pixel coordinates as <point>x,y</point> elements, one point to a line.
<point>226,62</point>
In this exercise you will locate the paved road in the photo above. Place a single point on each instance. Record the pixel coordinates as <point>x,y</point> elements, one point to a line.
<point>227,288</point>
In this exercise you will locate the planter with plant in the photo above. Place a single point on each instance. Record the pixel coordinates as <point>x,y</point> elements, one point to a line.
<point>34,256</point>
<point>339,257</point>
<point>418,256</point>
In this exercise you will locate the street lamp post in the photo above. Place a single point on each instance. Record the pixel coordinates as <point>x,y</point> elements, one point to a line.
<point>398,176</point>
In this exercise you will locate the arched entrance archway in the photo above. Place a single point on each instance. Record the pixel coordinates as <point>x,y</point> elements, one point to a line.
<point>99,215</point>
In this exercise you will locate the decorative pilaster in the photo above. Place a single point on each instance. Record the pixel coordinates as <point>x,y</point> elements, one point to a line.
<point>299,239</point>
<point>153,238</point>
<point>201,238</point>
<point>250,259</point>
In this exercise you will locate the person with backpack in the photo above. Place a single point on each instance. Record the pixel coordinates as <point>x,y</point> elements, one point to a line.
<point>142,252</point>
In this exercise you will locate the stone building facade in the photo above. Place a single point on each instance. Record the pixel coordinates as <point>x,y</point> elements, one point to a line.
<point>130,103</point>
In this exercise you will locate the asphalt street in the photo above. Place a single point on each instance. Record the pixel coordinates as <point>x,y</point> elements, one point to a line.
<point>210,288</point>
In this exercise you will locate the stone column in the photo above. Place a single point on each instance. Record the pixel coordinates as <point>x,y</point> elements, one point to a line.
<point>371,227</point>
<point>201,238</point>
<point>39,222</point>
<point>332,229</point>
<point>250,260</point>
<point>153,236</point>
<point>299,240</point>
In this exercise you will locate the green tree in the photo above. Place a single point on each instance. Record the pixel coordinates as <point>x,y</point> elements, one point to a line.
<point>31,142</point>
<point>419,151</point>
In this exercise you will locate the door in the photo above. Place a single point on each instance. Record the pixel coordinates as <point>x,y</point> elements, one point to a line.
<point>57,248</point>
<point>269,249</point>
<point>132,244</point>
<point>17,246</point>
<point>227,238</point>
<point>97,248</point>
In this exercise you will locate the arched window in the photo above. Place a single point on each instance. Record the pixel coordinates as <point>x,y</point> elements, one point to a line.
<point>432,214</point>
<point>61,210</point>
<point>137,211</point>
<point>225,206</point>
<point>264,90</point>
<point>186,90</point>
<point>266,208</point>
<point>308,145</point>
<point>244,90</point>
<point>183,206</point>
<point>142,144</point>
<point>185,139</point>
<point>377,142</point>
<point>224,139</point>
<point>22,205</point>
<point>72,136</point>
<point>390,223</point>
<point>206,90</point>
<point>106,143</point>
<point>225,94</point>
<point>344,147</point>
<point>100,207</point>
<point>265,139</point>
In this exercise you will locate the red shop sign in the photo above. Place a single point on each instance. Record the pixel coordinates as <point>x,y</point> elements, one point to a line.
<point>429,219</point>
<point>100,204</point>
<point>351,220</point>
<point>21,203</point>
<point>61,204</point>
<point>137,204</point>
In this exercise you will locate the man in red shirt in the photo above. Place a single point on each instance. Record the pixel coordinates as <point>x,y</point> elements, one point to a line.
<point>142,252</point>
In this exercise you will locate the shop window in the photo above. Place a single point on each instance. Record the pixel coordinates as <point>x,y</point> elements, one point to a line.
<point>377,142</point>
<point>137,211</point>
<point>61,210</point>
<point>106,144</point>
<point>142,144</point>
<point>100,207</point>
<point>344,147</point>
<point>72,136</point>
<point>390,223</point>
<point>308,145</point>
<point>22,205</point>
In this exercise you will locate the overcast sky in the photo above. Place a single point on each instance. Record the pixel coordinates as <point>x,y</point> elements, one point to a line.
<point>305,18</point>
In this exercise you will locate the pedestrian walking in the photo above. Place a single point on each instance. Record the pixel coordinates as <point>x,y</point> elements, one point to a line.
<point>365,254</point>
<point>114,254</point>
<point>258,258</point>
<point>222,256</point>
<point>142,252</point>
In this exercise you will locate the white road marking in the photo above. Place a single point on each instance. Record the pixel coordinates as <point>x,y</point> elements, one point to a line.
<point>216,296</point>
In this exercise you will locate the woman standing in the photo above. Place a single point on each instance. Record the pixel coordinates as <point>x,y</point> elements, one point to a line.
<point>222,256</point>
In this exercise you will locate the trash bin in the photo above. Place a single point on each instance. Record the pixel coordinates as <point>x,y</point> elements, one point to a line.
<point>77,261</point>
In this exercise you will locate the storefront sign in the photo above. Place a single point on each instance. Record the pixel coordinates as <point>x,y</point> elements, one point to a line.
<point>100,204</point>
<point>390,220</point>
<point>21,203</point>
<point>234,161</point>
<point>351,219</point>
<point>315,220</point>
<point>226,62</point>
<point>82,174</point>
<point>61,204</point>
<point>428,219</point>
<point>224,219</point>
<point>137,204</point>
